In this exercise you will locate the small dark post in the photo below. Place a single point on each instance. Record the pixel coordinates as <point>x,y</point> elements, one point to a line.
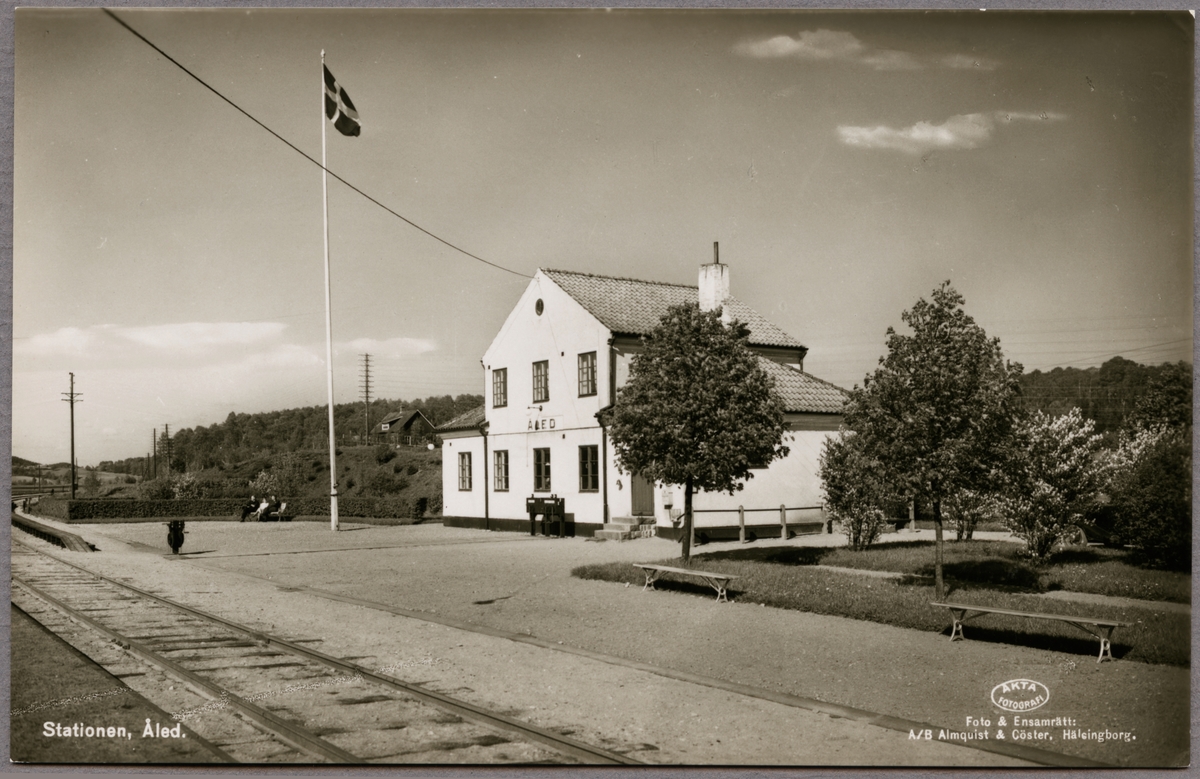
<point>782,522</point>
<point>741,525</point>
<point>716,254</point>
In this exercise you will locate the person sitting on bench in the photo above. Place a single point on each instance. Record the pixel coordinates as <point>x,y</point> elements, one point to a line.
<point>271,512</point>
<point>249,508</point>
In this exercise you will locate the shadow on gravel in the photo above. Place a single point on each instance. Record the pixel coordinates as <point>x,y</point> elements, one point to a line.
<point>804,555</point>
<point>1067,644</point>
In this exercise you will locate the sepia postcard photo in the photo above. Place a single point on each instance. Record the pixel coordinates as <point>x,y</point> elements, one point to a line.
<point>601,386</point>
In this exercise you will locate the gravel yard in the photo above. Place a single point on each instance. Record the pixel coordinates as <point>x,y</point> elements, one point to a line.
<point>517,584</point>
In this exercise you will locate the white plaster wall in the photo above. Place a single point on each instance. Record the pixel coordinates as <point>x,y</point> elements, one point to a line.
<point>563,332</point>
<point>455,502</point>
<point>793,481</point>
<point>564,473</point>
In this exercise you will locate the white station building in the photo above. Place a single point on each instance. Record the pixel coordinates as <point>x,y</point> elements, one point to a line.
<point>559,359</point>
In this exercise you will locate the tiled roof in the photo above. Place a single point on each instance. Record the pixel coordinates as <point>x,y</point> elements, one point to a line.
<point>471,420</point>
<point>803,392</point>
<point>633,307</point>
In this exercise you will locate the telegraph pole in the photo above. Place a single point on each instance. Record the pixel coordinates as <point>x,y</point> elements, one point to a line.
<point>154,458</point>
<point>167,433</point>
<point>366,388</point>
<point>72,397</point>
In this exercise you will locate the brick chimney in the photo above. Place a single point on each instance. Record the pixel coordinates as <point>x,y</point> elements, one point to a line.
<point>714,283</point>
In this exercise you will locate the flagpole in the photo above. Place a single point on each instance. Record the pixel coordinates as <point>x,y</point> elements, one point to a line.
<point>333,502</point>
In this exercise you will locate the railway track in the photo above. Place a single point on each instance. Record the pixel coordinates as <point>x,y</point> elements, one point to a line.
<point>264,698</point>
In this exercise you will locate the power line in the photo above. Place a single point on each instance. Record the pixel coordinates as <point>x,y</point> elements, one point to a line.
<point>296,149</point>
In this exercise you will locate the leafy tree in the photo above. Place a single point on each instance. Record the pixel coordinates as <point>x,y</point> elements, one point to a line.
<point>698,410</point>
<point>937,415</point>
<point>1054,479</point>
<point>855,494</point>
<point>1168,399</point>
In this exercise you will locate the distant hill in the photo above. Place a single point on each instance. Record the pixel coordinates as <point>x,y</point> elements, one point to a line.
<point>244,437</point>
<point>19,462</point>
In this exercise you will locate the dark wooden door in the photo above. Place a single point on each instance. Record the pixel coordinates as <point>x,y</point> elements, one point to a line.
<point>642,496</point>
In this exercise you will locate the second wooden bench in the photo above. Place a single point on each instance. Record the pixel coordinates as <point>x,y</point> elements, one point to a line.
<point>715,580</point>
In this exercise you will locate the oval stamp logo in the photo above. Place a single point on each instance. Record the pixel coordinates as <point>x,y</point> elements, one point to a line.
<point>1020,695</point>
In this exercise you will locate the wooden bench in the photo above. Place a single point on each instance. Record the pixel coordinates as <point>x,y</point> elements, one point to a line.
<point>1098,628</point>
<point>715,580</point>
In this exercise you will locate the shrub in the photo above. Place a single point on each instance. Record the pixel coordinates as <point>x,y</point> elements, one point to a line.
<point>1054,479</point>
<point>155,489</point>
<point>384,454</point>
<point>854,493</point>
<point>1151,500</point>
<point>967,508</point>
<point>382,483</point>
<point>185,486</point>
<point>266,483</point>
<point>413,469</point>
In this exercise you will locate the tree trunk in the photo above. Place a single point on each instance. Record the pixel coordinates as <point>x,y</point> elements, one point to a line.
<point>687,520</point>
<point>938,585</point>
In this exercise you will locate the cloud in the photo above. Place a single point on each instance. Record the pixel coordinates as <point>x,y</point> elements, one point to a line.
<point>285,356</point>
<point>190,335</point>
<point>814,45</point>
<point>67,341</point>
<point>968,62</point>
<point>891,60</point>
<point>107,340</point>
<point>964,131</point>
<point>829,45</point>
<point>393,347</point>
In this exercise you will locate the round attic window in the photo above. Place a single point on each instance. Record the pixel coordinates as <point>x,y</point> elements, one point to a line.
<point>539,307</point>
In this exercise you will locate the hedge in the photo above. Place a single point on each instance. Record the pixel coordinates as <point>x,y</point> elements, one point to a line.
<point>83,510</point>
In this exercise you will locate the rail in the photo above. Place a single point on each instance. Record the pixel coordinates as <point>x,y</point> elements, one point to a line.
<point>299,736</point>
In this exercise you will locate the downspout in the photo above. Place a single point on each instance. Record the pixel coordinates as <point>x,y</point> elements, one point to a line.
<point>612,399</point>
<point>486,523</point>
<point>604,467</point>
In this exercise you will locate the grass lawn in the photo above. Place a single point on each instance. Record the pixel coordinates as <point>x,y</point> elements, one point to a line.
<point>981,572</point>
<point>995,565</point>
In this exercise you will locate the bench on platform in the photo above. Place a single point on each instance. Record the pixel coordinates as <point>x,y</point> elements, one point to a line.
<point>1098,628</point>
<point>715,580</point>
<point>276,516</point>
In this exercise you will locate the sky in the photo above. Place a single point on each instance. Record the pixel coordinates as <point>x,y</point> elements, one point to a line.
<point>168,251</point>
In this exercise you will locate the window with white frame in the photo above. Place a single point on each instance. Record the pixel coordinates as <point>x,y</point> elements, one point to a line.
<point>589,468</point>
<point>464,471</point>
<point>587,374</point>
<point>541,470</point>
<point>500,387</point>
<point>500,470</point>
<point>541,381</point>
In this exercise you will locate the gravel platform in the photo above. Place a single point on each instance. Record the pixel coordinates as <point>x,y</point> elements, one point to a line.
<point>518,584</point>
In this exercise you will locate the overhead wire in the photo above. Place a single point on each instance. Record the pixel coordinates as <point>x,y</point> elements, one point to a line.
<point>302,153</point>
